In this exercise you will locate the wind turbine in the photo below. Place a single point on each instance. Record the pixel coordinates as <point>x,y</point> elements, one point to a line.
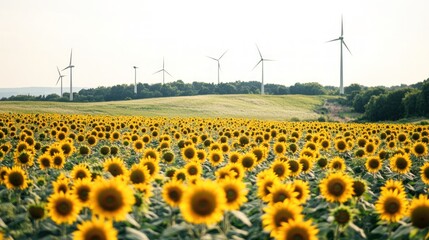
<point>163,72</point>
<point>262,63</point>
<point>71,74</point>
<point>218,65</point>
<point>135,79</point>
<point>60,78</point>
<point>341,39</point>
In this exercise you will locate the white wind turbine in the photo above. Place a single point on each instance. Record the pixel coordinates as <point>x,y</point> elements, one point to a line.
<point>341,39</point>
<point>135,79</point>
<point>262,62</point>
<point>218,65</point>
<point>163,72</point>
<point>71,75</point>
<point>60,78</point>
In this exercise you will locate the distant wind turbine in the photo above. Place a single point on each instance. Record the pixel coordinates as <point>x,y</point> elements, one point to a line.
<point>163,72</point>
<point>341,39</point>
<point>135,79</point>
<point>262,62</point>
<point>218,65</point>
<point>60,78</point>
<point>71,75</point>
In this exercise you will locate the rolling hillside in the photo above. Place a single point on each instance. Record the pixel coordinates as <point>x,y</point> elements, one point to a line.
<point>283,107</point>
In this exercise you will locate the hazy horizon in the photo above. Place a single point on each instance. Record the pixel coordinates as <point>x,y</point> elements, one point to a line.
<point>388,40</point>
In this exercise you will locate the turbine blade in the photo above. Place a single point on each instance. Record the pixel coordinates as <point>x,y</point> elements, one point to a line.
<point>58,71</point>
<point>71,54</point>
<point>347,47</point>
<point>270,60</point>
<point>333,40</point>
<point>58,80</point>
<point>259,51</point>
<point>212,58</point>
<point>158,71</point>
<point>168,73</point>
<point>342,26</point>
<point>66,68</point>
<point>223,54</point>
<point>257,64</point>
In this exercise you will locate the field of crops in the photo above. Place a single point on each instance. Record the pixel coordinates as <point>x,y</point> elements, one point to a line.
<point>109,177</point>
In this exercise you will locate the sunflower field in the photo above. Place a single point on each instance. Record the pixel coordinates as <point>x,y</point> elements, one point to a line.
<point>107,177</point>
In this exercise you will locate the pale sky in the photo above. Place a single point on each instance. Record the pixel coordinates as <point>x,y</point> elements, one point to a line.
<point>389,40</point>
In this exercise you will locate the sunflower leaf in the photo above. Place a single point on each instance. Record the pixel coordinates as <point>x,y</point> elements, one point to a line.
<point>242,217</point>
<point>132,233</point>
<point>132,221</point>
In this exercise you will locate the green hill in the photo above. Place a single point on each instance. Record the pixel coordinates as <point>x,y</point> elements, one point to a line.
<point>271,107</point>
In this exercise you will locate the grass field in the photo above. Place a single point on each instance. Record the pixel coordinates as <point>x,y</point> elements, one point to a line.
<point>243,106</point>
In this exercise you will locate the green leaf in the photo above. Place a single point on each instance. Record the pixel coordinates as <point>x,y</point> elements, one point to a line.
<point>132,221</point>
<point>242,217</point>
<point>132,233</point>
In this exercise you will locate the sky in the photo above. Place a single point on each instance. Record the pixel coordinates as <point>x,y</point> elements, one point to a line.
<point>388,39</point>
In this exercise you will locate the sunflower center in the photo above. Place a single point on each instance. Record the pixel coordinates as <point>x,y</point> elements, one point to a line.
<point>110,200</point>
<point>401,163</point>
<point>58,161</point>
<point>45,162</point>
<point>115,169</point>
<point>298,234</point>
<point>267,187</point>
<point>203,204</point>
<point>16,179</point>
<point>419,149</point>
<point>341,145</point>
<point>342,217</point>
<point>294,166</point>
<point>392,206</point>
<point>231,195</point>
<point>279,149</point>
<point>189,153</point>
<point>181,176</point>
<point>137,177</point>
<point>192,170</point>
<point>81,174</point>
<point>247,162</point>
<point>299,191</point>
<point>62,188</point>
<point>151,167</point>
<point>279,170</point>
<point>64,207</point>
<point>36,212</point>
<point>83,193</point>
<point>359,188</point>
<point>336,165</point>
<point>174,195</point>
<point>374,164</point>
<point>95,233</point>
<point>24,158</point>
<point>426,172</point>
<point>215,158</point>
<point>336,188</point>
<point>280,197</point>
<point>282,216</point>
<point>420,217</point>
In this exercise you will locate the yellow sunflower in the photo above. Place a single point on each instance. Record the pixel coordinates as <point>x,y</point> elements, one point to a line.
<point>81,189</point>
<point>16,178</point>
<point>201,155</point>
<point>297,229</point>
<point>58,160</point>
<point>373,164</point>
<point>168,156</point>
<point>172,193</point>
<point>97,228</point>
<point>193,169</point>
<point>418,212</point>
<point>279,213</point>
<point>23,158</point>
<point>400,163</point>
<point>295,167</point>
<point>203,203</point>
<point>152,166</point>
<point>236,169</point>
<point>61,185</point>
<point>63,208</point>
<point>248,161</point>
<point>235,193</point>
<point>44,161</point>
<point>265,184</point>
<point>279,192</point>
<point>80,171</point>
<point>391,206</point>
<point>341,145</point>
<point>234,157</point>
<point>3,173</point>
<point>359,187</point>
<point>392,185</point>
<point>189,153</point>
<point>111,199</point>
<point>151,153</point>
<point>279,148</point>
<point>139,176</point>
<point>306,162</point>
<point>281,169</point>
<point>115,166</point>
<point>424,173</point>
<point>303,190</point>
<point>337,164</point>
<point>337,187</point>
<point>419,149</point>
<point>138,145</point>
<point>180,175</point>
<point>216,157</point>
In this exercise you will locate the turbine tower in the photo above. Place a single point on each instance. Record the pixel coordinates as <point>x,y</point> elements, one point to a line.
<point>163,72</point>
<point>135,79</point>
<point>262,63</point>
<point>60,78</point>
<point>71,75</point>
<point>218,65</point>
<point>341,39</point>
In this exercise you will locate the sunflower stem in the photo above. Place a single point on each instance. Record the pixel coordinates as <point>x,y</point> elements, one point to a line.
<point>389,231</point>
<point>63,231</point>
<point>337,232</point>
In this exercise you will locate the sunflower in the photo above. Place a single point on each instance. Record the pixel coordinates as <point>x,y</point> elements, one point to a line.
<point>279,213</point>
<point>80,171</point>
<point>260,153</point>
<point>193,169</point>
<point>337,164</point>
<point>216,157</point>
<point>151,165</point>
<point>297,229</point>
<point>280,168</point>
<point>45,161</point>
<point>424,173</point>
<point>400,163</point>
<point>138,145</point>
<point>67,147</point>
<point>223,173</point>
<point>97,228</point>
<point>236,169</point>
<point>343,215</point>
<point>391,206</point>
<point>189,153</point>
<point>172,193</point>
<point>322,162</point>
<point>248,161</point>
<point>392,185</point>
<point>303,190</point>
<point>151,153</point>
<point>337,187</point>
<point>201,155</point>
<point>111,199</point>
<point>370,148</point>
<point>359,187</point>
<point>279,148</point>
<point>3,173</point>
<point>168,156</point>
<point>279,192</point>
<point>115,166</point>
<point>139,176</point>
<point>63,208</point>
<point>81,189</point>
<point>180,175</point>
<point>325,144</point>
<point>16,178</point>
<point>295,167</point>
<point>235,193</point>
<point>341,145</point>
<point>58,160</point>
<point>373,164</point>
<point>203,203</point>
<point>37,211</point>
<point>419,149</point>
<point>61,185</point>
<point>23,158</point>
<point>419,212</point>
